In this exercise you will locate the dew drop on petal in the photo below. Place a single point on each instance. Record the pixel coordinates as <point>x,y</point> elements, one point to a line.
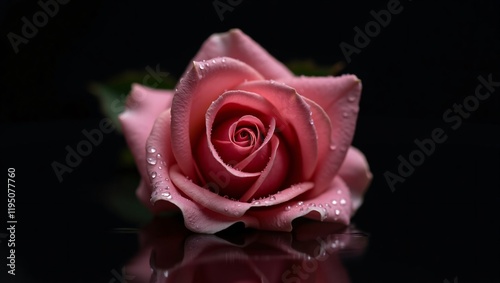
<point>201,67</point>
<point>342,201</point>
<point>334,202</point>
<point>337,212</point>
<point>153,175</point>
<point>167,195</point>
<point>272,198</point>
<point>300,203</point>
<point>287,208</point>
<point>151,160</point>
<point>351,98</point>
<point>333,147</point>
<point>345,114</point>
<point>151,149</point>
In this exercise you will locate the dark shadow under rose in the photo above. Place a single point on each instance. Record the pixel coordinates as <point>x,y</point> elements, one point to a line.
<point>242,139</point>
<point>311,253</point>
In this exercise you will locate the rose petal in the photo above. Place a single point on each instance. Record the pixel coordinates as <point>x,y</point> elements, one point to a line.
<point>333,205</point>
<point>142,107</point>
<point>196,90</point>
<point>297,114</point>
<point>271,178</point>
<point>339,98</point>
<point>225,206</point>
<point>355,172</point>
<point>238,45</point>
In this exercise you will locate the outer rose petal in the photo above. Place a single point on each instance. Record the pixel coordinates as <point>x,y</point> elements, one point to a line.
<point>196,91</point>
<point>333,205</point>
<point>355,172</point>
<point>237,45</point>
<point>142,107</point>
<point>339,98</point>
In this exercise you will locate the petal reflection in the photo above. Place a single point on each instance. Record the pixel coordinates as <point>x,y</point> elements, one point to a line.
<point>313,252</point>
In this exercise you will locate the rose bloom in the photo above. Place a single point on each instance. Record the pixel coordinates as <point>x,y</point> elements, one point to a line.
<point>242,139</point>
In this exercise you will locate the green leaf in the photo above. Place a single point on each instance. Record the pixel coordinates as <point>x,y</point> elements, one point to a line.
<point>113,93</point>
<point>120,198</point>
<point>308,67</point>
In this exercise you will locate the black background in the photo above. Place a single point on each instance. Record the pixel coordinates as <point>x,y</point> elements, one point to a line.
<point>441,223</point>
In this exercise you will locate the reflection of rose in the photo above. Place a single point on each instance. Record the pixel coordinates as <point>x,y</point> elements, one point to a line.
<point>311,254</point>
<point>241,139</point>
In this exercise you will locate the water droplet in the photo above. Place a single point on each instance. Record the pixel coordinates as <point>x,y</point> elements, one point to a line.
<point>272,198</point>
<point>223,60</point>
<point>151,149</point>
<point>226,209</point>
<point>333,147</point>
<point>300,203</point>
<point>153,175</point>
<point>342,201</point>
<point>339,192</point>
<point>167,195</point>
<point>328,205</point>
<point>351,98</point>
<point>287,208</point>
<point>345,114</point>
<point>167,179</point>
<point>334,202</point>
<point>256,202</point>
<point>337,212</point>
<point>151,160</point>
<point>320,205</point>
<point>312,204</point>
<point>159,167</point>
<point>207,65</point>
<point>158,155</point>
<point>201,67</point>
<point>213,61</point>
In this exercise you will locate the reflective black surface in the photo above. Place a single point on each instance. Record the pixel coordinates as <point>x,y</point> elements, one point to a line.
<point>438,225</point>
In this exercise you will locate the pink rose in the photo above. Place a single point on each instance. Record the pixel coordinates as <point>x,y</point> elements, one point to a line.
<point>241,139</point>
